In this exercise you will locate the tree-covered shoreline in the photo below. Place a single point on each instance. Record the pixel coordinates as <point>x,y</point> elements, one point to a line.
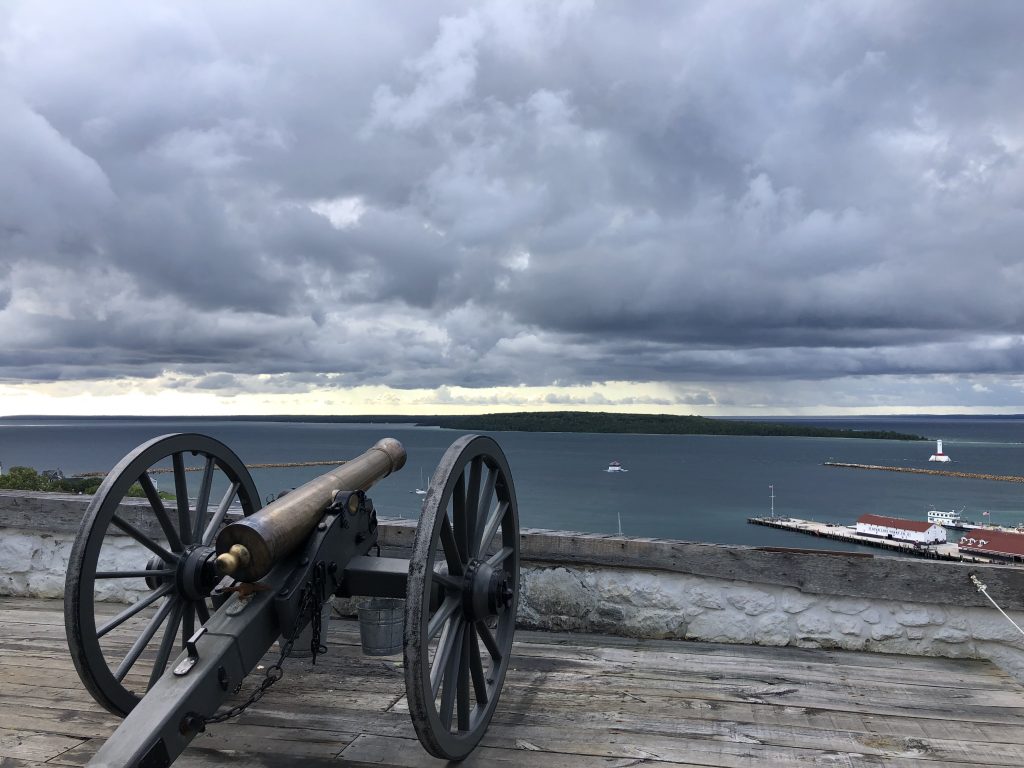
<point>561,421</point>
<point>648,424</point>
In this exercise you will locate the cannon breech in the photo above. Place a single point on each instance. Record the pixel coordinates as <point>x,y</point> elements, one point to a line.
<point>460,587</point>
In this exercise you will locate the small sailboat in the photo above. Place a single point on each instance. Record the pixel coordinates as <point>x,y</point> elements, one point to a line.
<point>421,491</point>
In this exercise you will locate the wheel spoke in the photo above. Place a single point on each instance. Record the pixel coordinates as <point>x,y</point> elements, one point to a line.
<point>218,516</point>
<point>143,640</point>
<point>133,574</point>
<point>462,698</point>
<point>451,679</point>
<point>476,668</point>
<point>492,525</point>
<point>489,642</point>
<point>160,511</point>
<point>443,652</point>
<point>448,607</point>
<point>203,499</point>
<point>181,494</point>
<point>135,608</point>
<point>472,507</point>
<point>447,580</point>
<point>499,557</point>
<point>143,539</point>
<point>459,518</point>
<point>451,549</point>
<point>166,645</point>
<point>480,540</point>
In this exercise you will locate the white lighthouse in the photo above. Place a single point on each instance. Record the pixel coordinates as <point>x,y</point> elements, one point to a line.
<point>939,455</point>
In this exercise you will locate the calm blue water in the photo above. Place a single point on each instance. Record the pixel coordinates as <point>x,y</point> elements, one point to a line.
<point>696,488</point>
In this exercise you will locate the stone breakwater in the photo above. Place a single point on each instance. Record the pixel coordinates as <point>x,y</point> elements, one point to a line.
<point>920,471</point>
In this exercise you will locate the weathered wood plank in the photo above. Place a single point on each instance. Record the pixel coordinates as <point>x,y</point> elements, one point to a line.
<point>656,703</point>
<point>33,745</point>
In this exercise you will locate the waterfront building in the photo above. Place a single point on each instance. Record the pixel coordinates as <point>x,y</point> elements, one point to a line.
<point>915,531</point>
<point>994,543</point>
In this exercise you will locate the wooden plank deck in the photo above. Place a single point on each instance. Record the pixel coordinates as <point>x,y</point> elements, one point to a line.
<point>569,701</point>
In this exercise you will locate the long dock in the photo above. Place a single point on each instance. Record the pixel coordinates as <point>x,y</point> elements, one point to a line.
<point>948,551</point>
<point>920,471</point>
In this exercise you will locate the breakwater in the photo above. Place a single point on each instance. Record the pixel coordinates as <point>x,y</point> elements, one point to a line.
<point>273,465</point>
<point>920,471</point>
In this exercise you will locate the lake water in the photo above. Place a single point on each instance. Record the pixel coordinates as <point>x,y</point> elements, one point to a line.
<point>695,488</point>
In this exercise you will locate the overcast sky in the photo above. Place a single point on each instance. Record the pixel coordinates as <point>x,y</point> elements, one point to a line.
<point>712,207</point>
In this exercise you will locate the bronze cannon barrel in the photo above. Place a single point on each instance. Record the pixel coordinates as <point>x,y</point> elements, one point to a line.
<point>249,548</point>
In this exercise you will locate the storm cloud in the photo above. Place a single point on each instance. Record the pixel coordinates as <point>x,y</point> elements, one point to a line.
<point>432,195</point>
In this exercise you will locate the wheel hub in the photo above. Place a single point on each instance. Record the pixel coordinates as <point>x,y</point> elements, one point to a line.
<point>196,574</point>
<point>485,591</point>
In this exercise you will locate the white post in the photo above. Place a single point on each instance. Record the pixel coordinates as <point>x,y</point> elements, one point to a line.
<point>772,489</point>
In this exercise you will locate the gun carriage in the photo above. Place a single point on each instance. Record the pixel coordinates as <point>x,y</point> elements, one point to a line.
<point>223,589</point>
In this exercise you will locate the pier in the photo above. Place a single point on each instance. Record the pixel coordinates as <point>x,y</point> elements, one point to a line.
<point>920,471</point>
<point>948,551</point>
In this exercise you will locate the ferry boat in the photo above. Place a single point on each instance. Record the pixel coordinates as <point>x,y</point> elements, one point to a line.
<point>614,466</point>
<point>950,519</point>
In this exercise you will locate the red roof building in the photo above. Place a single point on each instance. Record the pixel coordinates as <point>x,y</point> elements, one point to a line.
<point>914,531</point>
<point>895,522</point>
<point>983,541</point>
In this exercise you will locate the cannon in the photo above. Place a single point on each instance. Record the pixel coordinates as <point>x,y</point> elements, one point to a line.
<point>223,580</point>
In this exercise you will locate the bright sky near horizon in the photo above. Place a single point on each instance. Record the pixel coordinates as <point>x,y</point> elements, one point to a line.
<point>720,207</point>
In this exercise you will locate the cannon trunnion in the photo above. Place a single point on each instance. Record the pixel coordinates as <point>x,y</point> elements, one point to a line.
<point>226,579</point>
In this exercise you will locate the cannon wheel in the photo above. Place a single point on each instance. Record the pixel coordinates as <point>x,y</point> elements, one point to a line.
<point>457,647</point>
<point>177,544</point>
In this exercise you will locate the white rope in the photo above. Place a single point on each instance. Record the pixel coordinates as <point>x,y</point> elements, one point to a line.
<point>984,590</point>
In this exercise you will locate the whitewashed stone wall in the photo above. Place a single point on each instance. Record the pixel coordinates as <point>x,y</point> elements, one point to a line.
<point>33,564</point>
<point>653,604</point>
<point>635,603</point>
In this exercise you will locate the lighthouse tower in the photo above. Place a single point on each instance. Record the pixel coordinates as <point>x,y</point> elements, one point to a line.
<point>939,455</point>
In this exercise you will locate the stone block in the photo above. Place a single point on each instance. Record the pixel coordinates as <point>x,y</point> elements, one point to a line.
<point>848,625</point>
<point>772,629</point>
<point>814,623</point>
<point>720,627</point>
<point>849,607</point>
<point>706,597</point>
<point>886,631</point>
<point>792,601</point>
<point>752,602</point>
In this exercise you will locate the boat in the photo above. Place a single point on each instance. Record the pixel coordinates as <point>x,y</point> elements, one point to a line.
<point>951,519</point>
<point>614,466</point>
<point>420,490</point>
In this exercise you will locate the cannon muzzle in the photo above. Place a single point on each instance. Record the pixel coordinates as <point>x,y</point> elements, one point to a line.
<point>249,548</point>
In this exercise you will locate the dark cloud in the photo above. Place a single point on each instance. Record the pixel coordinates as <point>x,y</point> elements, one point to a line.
<point>491,194</point>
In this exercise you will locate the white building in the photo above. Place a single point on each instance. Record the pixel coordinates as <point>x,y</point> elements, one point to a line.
<point>916,531</point>
<point>939,455</point>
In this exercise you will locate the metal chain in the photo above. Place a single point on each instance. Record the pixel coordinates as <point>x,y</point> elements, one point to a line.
<point>312,598</point>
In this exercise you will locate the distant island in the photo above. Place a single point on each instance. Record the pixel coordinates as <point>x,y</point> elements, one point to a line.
<point>554,421</point>
<point>647,424</point>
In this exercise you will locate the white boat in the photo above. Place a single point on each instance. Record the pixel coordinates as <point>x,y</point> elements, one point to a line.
<point>420,491</point>
<point>616,467</point>
<point>951,519</point>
